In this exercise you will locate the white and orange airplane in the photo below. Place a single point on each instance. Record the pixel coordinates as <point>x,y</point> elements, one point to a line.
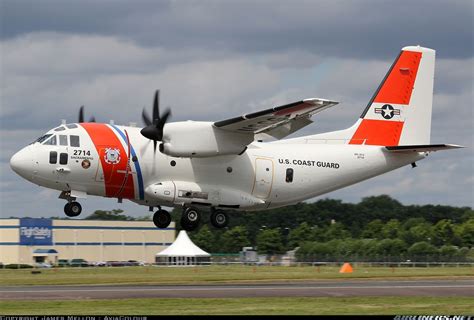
<point>231,164</point>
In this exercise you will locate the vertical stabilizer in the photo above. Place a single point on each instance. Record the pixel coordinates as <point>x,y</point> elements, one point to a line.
<point>399,112</point>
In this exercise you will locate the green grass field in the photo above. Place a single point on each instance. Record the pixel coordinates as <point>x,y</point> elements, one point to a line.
<point>246,306</point>
<point>216,274</point>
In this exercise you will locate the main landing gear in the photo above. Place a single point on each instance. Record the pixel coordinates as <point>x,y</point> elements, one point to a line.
<point>72,209</point>
<point>191,218</point>
<point>219,219</point>
<point>162,218</point>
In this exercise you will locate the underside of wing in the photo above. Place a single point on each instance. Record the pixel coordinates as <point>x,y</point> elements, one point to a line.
<point>278,121</point>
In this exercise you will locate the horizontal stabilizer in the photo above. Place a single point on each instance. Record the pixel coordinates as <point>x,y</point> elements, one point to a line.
<point>423,148</point>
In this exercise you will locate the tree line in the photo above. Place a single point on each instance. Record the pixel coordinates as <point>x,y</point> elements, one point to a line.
<point>377,228</point>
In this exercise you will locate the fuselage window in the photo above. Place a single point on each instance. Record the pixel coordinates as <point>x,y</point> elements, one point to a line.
<point>71,126</point>
<point>63,158</point>
<point>75,141</point>
<point>62,140</point>
<point>53,157</point>
<point>289,175</point>
<point>60,129</point>
<point>51,142</point>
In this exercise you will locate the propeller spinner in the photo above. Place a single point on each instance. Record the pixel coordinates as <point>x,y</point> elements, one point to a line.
<point>154,128</point>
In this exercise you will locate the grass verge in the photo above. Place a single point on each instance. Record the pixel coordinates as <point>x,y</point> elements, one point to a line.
<point>246,306</point>
<point>217,274</point>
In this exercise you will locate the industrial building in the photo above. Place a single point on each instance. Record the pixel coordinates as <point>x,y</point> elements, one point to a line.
<point>31,240</point>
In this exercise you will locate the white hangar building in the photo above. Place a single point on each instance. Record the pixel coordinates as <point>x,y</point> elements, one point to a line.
<point>30,240</point>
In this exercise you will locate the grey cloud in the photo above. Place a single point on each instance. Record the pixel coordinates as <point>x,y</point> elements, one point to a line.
<point>437,180</point>
<point>216,61</point>
<point>362,29</point>
<point>199,90</point>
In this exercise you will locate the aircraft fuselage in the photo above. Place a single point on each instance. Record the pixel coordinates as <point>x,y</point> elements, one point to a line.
<point>266,175</point>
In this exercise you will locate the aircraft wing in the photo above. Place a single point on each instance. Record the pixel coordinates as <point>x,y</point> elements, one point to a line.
<point>277,121</point>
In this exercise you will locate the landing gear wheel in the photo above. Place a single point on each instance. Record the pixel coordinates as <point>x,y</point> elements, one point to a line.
<point>219,219</point>
<point>190,219</point>
<point>185,225</point>
<point>162,219</point>
<point>72,209</point>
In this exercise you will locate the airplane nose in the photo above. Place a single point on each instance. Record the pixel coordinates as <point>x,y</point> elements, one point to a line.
<point>22,163</point>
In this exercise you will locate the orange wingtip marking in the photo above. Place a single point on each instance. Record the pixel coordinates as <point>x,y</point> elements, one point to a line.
<point>378,133</point>
<point>398,86</point>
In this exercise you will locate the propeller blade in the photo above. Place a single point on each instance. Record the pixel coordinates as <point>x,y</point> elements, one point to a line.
<point>81,114</point>
<point>146,118</point>
<point>164,118</point>
<point>156,106</point>
<point>154,127</point>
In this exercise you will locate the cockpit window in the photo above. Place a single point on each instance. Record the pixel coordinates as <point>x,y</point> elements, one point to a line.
<point>61,128</point>
<point>43,138</point>
<point>51,142</point>
<point>74,140</point>
<point>71,126</point>
<point>62,140</point>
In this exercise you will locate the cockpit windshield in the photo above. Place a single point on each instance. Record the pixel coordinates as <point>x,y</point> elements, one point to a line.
<point>51,141</point>
<point>42,138</point>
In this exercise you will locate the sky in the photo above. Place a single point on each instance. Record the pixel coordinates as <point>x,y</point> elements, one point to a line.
<point>214,60</point>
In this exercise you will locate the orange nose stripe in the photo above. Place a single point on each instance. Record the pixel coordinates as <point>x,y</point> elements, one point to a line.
<point>114,168</point>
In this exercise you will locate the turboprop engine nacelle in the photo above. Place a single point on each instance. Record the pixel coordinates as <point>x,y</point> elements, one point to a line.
<point>181,192</point>
<point>201,139</point>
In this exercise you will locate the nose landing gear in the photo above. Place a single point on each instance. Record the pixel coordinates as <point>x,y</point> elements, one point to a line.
<point>72,209</point>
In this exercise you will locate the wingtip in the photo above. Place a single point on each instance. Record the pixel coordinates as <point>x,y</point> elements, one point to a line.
<point>315,101</point>
<point>455,146</point>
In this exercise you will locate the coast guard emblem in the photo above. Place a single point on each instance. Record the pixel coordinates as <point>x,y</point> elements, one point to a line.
<point>112,155</point>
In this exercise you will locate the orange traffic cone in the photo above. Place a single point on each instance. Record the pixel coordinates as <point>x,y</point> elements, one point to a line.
<point>346,268</point>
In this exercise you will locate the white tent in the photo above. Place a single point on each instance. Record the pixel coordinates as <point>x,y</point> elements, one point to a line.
<point>183,252</point>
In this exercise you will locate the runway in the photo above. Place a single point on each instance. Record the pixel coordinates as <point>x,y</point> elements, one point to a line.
<point>291,289</point>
